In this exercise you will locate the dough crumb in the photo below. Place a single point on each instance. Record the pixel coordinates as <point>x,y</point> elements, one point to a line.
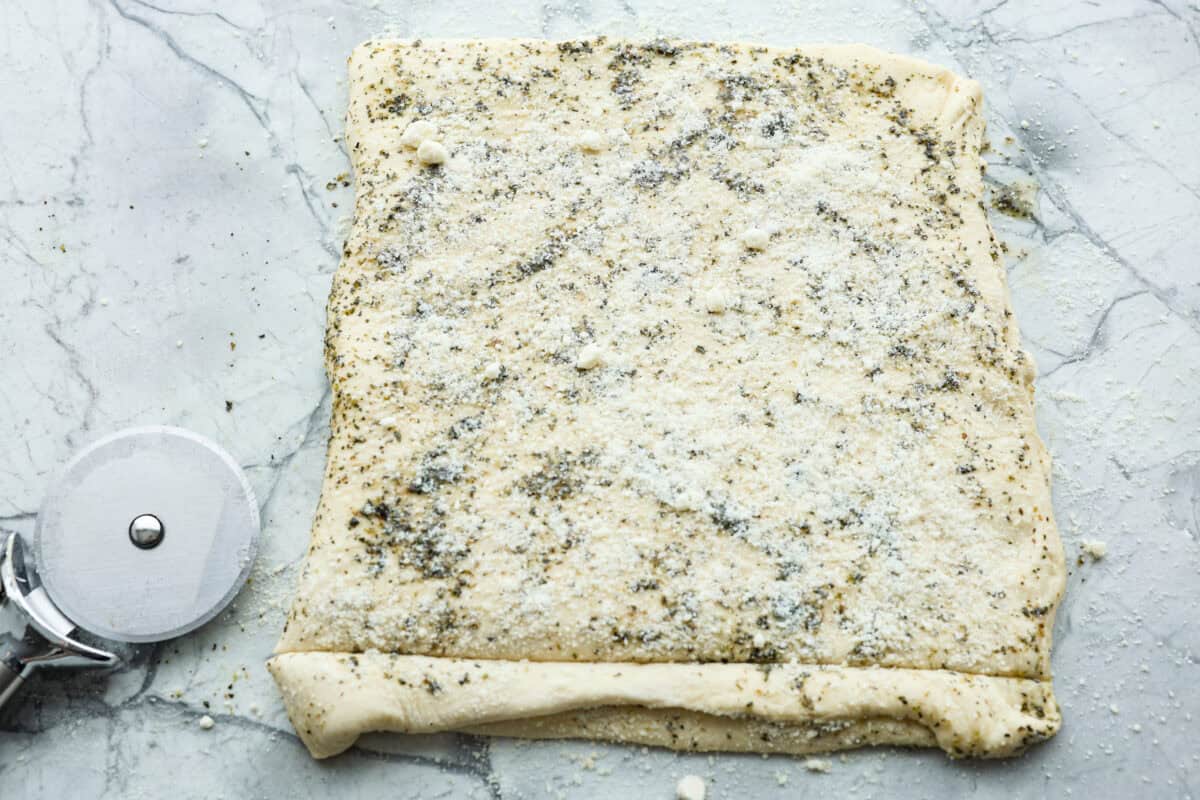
<point>755,239</point>
<point>822,765</point>
<point>691,787</point>
<point>591,142</point>
<point>492,371</point>
<point>716,302</point>
<point>206,723</point>
<point>416,133</point>
<point>590,357</point>
<point>431,153</point>
<point>1094,549</point>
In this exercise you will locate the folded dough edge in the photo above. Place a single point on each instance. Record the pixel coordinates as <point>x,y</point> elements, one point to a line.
<point>333,698</point>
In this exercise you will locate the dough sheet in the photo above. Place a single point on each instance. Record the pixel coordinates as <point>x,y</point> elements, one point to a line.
<point>678,400</point>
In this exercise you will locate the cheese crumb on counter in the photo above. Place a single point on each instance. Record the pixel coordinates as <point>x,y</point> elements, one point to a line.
<point>691,787</point>
<point>822,765</point>
<point>1093,549</point>
<point>206,723</point>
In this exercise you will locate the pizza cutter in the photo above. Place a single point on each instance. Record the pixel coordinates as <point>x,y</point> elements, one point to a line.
<point>144,536</point>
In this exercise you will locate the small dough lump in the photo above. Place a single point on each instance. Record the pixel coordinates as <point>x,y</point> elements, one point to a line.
<point>590,141</point>
<point>416,133</point>
<point>755,239</point>
<point>431,153</point>
<point>715,302</point>
<point>590,357</point>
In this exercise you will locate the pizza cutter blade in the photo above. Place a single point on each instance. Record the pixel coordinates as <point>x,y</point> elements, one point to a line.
<point>144,536</point>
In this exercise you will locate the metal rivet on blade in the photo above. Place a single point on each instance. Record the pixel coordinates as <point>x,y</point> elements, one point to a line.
<point>146,531</point>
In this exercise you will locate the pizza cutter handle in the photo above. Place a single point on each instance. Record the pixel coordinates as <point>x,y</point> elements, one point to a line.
<point>10,681</point>
<point>33,632</point>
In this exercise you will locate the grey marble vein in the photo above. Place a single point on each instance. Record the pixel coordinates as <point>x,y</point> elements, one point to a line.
<point>171,210</point>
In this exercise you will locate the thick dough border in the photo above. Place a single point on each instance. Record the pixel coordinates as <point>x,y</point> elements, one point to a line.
<point>332,698</point>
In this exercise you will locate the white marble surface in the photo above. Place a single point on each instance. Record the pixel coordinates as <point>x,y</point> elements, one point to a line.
<point>168,187</point>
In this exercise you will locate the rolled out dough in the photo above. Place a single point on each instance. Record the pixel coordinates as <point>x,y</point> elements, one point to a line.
<point>677,400</point>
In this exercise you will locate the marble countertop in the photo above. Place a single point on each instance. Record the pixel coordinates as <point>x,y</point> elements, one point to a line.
<point>171,186</point>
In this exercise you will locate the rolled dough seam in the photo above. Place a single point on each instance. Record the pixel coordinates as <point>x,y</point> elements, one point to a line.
<point>332,698</point>
<point>682,729</point>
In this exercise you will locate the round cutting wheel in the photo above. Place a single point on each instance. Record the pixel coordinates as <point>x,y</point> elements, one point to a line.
<point>146,535</point>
